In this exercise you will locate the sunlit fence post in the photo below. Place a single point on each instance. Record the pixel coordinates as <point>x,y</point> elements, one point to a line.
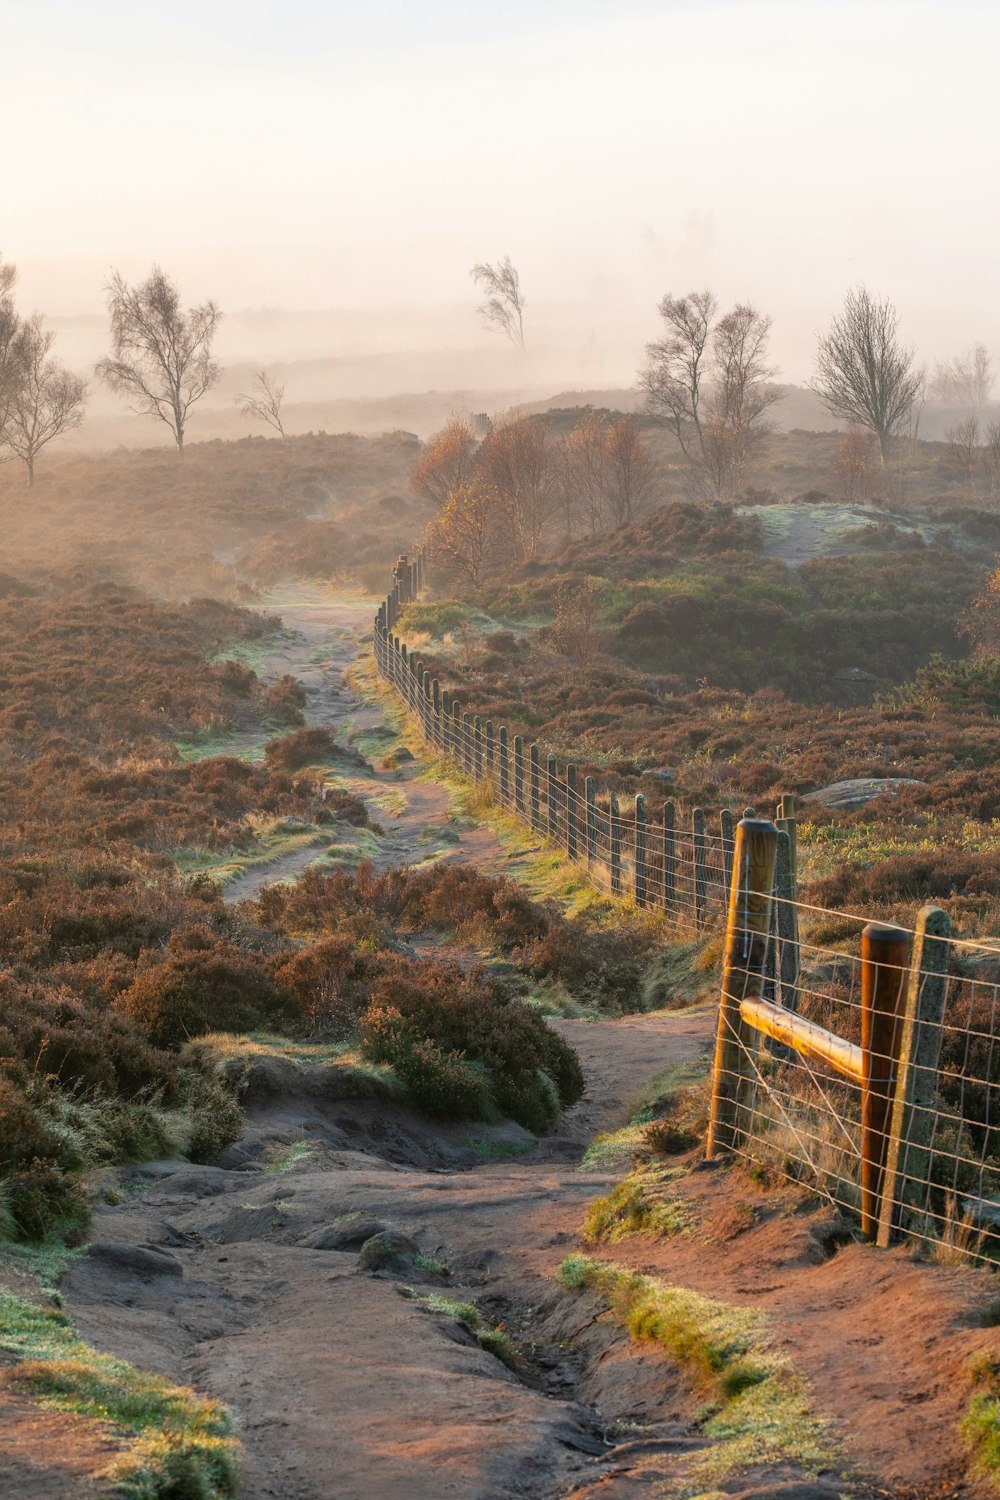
<point>669,856</point>
<point>908,1158</point>
<point>747,928</point>
<point>885,958</point>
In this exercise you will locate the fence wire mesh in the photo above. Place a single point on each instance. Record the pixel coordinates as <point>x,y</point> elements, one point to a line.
<point>816,1096</point>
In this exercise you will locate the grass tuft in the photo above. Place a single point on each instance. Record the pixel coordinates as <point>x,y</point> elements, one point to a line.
<point>760,1409</point>
<point>177,1445</point>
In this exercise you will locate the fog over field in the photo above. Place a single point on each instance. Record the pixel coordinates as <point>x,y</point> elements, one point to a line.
<point>333,172</point>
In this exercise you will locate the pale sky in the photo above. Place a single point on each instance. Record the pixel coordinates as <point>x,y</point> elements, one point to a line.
<point>348,155</point>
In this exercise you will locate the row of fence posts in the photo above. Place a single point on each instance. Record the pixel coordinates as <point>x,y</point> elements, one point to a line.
<point>528,783</point>
<point>903,987</point>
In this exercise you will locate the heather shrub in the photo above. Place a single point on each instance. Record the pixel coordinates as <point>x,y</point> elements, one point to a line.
<point>303,748</point>
<point>192,992</point>
<point>285,700</point>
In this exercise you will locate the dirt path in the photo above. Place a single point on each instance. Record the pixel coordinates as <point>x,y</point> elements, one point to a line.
<point>322,640</point>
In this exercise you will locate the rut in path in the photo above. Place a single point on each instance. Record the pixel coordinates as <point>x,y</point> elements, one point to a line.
<point>324,637</point>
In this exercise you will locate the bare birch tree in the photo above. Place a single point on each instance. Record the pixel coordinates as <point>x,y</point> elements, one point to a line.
<point>263,401</point>
<point>12,345</point>
<point>504,305</point>
<point>965,380</point>
<point>863,373</point>
<point>161,355</point>
<point>49,399</point>
<point>710,378</point>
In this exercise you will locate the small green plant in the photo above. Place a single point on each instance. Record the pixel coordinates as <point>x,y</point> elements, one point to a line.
<point>493,1338</point>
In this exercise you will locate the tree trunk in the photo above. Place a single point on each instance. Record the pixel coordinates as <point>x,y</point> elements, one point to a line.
<point>29,464</point>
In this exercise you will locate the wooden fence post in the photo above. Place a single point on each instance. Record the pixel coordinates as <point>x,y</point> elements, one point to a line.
<point>551,788</point>
<point>885,958</point>
<point>616,847</point>
<point>477,741</point>
<point>534,789</point>
<point>591,791</point>
<point>786,920</point>
<point>504,770</point>
<point>490,749</point>
<point>641,875</point>
<point>700,868</point>
<point>518,773</point>
<point>726,827</point>
<point>908,1159</point>
<point>669,855</point>
<point>747,926</point>
<point>571,819</point>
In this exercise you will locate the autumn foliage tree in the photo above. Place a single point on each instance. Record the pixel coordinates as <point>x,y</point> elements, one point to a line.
<point>447,462</point>
<point>518,462</point>
<point>466,542</point>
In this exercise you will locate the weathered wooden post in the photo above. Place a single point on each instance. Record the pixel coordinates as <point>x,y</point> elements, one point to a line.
<point>669,855</point>
<point>491,751</point>
<point>747,926</point>
<point>885,958</point>
<point>445,722</point>
<point>911,1127</point>
<point>726,829</point>
<point>700,867</point>
<point>615,831</point>
<point>467,744</point>
<point>571,819</point>
<point>534,791</point>
<point>518,773</point>
<point>641,872</point>
<point>551,788</point>
<point>504,767</point>
<point>590,788</point>
<point>786,925</point>
<point>477,742</point>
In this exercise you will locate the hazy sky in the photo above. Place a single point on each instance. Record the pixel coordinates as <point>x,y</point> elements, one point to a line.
<point>364,155</point>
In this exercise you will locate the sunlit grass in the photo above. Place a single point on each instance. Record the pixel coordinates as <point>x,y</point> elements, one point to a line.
<point>760,1408</point>
<point>174,1442</point>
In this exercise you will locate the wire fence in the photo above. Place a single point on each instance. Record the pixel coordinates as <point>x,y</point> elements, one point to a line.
<point>870,1071</point>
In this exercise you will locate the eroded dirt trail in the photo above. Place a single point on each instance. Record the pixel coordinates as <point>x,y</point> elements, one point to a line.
<point>323,637</point>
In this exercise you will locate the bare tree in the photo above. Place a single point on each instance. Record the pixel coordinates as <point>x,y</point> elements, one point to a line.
<point>710,378</point>
<point>584,474</point>
<point>863,374</point>
<point>504,305</point>
<point>12,349</point>
<point>965,380</point>
<point>263,401</point>
<point>963,444</point>
<point>630,472</point>
<point>49,399</point>
<point>161,355</point>
<point>991,458</point>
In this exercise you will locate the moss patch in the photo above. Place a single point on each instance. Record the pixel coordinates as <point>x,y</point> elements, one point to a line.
<point>640,1204</point>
